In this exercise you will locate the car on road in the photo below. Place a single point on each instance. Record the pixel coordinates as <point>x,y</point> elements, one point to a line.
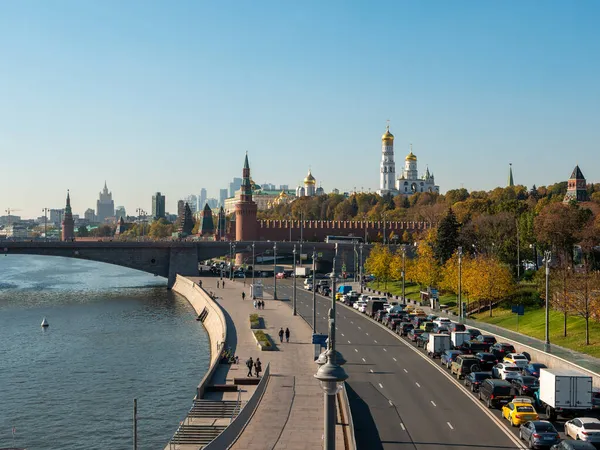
<point>525,385</point>
<point>404,328</point>
<point>501,349</point>
<point>427,326</point>
<point>518,359</point>
<point>442,321</point>
<point>533,369</point>
<point>473,347</point>
<point>487,339</point>
<point>486,360</point>
<point>414,334</point>
<point>448,357</point>
<point>519,411</point>
<point>431,317</point>
<point>362,308</point>
<point>422,340</point>
<point>539,434</point>
<point>573,445</point>
<point>473,333</point>
<point>280,275</point>
<point>440,329</point>
<point>394,324</point>
<point>464,365</point>
<point>474,380</point>
<point>453,326</point>
<point>505,371</point>
<point>585,429</point>
<point>495,392</point>
<point>358,304</point>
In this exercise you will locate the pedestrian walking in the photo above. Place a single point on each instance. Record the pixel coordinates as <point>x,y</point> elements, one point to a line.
<point>223,282</point>
<point>200,283</point>
<point>217,284</point>
<point>249,365</point>
<point>254,304</point>
<point>262,304</point>
<point>287,335</point>
<point>258,367</point>
<point>243,296</point>
<point>281,335</point>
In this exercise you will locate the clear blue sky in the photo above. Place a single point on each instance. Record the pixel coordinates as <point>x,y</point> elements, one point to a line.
<point>168,96</point>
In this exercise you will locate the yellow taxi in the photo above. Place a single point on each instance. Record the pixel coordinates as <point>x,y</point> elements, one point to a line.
<point>339,295</point>
<point>519,411</point>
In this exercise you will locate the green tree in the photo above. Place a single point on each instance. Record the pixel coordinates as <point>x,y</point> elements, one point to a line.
<point>447,237</point>
<point>82,231</point>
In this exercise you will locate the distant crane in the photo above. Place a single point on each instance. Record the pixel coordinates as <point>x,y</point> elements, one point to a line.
<point>8,211</point>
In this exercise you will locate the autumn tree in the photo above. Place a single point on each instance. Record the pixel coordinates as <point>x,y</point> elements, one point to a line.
<point>585,298</point>
<point>427,270</point>
<point>379,263</point>
<point>487,279</point>
<point>447,237</point>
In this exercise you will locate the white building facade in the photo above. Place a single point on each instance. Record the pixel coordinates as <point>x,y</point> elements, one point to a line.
<point>408,182</point>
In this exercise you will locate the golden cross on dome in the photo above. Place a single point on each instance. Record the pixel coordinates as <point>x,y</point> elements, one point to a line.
<point>388,124</point>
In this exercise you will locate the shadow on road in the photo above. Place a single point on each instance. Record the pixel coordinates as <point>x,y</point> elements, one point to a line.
<point>365,430</point>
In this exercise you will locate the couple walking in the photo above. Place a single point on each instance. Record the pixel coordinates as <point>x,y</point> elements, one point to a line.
<point>221,284</point>
<point>287,335</point>
<point>256,364</point>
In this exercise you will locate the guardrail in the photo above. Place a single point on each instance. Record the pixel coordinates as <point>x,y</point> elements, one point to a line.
<point>351,443</point>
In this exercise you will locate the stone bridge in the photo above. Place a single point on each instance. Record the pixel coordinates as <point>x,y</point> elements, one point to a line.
<point>167,259</point>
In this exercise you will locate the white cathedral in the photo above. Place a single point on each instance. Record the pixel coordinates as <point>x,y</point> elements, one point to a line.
<point>408,182</point>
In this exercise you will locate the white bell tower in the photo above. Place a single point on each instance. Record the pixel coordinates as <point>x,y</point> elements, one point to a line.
<point>387,168</point>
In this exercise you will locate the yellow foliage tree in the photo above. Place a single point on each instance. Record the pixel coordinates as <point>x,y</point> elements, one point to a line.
<point>379,263</point>
<point>426,270</point>
<point>487,279</point>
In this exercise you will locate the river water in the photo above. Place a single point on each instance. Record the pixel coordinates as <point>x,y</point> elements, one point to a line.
<point>115,334</point>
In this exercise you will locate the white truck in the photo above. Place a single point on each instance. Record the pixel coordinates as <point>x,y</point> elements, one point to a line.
<point>302,272</point>
<point>458,338</point>
<point>438,344</point>
<point>565,392</point>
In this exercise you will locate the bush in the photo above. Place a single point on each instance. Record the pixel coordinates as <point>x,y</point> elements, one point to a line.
<point>263,338</point>
<point>255,321</point>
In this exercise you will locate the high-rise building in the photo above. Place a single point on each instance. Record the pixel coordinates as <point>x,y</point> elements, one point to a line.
<point>235,184</point>
<point>180,209</point>
<point>120,212</point>
<point>192,202</point>
<point>222,196</point>
<point>283,187</point>
<point>89,215</point>
<point>105,206</point>
<point>56,216</point>
<point>212,202</point>
<point>68,224</point>
<point>158,206</point>
<point>201,199</point>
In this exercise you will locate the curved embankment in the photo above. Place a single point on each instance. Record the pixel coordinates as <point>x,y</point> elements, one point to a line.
<point>214,323</point>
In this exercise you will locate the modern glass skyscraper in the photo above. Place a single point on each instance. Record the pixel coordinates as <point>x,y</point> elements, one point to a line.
<point>158,206</point>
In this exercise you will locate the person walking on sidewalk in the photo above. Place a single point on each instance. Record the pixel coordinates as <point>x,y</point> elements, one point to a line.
<point>281,335</point>
<point>249,365</point>
<point>217,284</point>
<point>258,367</point>
<point>287,335</point>
<point>243,295</point>
<point>254,303</point>
<point>223,284</point>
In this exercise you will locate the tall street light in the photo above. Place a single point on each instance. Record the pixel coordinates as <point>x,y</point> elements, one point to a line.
<point>547,259</point>
<point>461,315</point>
<point>253,268</point>
<point>361,268</point>
<point>403,273</point>
<point>314,291</point>
<point>331,376</point>
<point>294,275</point>
<point>45,211</point>
<point>274,270</point>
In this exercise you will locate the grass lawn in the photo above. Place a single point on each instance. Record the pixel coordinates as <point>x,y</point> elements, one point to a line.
<point>533,324</point>
<point>412,292</point>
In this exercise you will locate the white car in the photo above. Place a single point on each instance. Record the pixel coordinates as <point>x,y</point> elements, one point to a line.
<point>584,429</point>
<point>506,371</point>
<point>518,359</point>
<point>308,286</point>
<point>442,321</point>
<point>363,298</point>
<point>362,308</point>
<point>358,304</point>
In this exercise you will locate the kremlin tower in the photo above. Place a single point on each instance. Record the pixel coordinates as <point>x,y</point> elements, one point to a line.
<point>245,209</point>
<point>68,224</point>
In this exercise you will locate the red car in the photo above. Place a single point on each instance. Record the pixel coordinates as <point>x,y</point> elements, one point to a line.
<point>280,275</point>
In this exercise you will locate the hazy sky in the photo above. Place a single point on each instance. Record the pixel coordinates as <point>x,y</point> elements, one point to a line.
<point>157,95</point>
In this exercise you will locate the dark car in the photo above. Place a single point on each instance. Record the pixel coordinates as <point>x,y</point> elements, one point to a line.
<point>473,347</point>
<point>326,291</point>
<point>448,357</point>
<point>431,317</point>
<point>533,369</point>
<point>456,327</point>
<point>474,380</point>
<point>539,434</point>
<point>464,365</point>
<point>404,328</point>
<point>473,333</point>
<point>487,339</point>
<point>486,360</point>
<point>394,323</point>
<point>422,340</point>
<point>495,393</point>
<point>379,315</point>
<point>525,385</point>
<point>573,445</point>
<point>501,349</point>
<point>414,334</point>
<point>417,321</point>
<point>441,330</point>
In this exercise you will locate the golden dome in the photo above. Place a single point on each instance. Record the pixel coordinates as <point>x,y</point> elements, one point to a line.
<point>310,179</point>
<point>282,194</point>
<point>411,157</point>
<point>387,136</point>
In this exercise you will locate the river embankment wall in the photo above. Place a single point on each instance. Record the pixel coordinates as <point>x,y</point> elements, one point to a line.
<point>214,322</point>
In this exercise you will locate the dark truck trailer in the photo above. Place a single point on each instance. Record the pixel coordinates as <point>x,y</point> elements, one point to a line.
<point>374,306</point>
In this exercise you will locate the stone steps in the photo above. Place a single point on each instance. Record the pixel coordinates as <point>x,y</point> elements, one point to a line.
<point>217,409</point>
<point>196,434</point>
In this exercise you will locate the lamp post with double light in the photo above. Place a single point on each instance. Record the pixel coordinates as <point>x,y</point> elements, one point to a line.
<point>314,291</point>
<point>547,260</point>
<point>461,315</point>
<point>361,268</point>
<point>253,268</point>
<point>45,211</point>
<point>294,275</point>
<point>403,274</point>
<point>275,270</point>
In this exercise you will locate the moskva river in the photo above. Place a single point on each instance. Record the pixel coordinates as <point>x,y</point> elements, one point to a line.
<point>115,334</point>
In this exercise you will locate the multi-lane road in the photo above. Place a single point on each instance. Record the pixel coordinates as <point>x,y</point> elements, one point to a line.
<point>399,398</point>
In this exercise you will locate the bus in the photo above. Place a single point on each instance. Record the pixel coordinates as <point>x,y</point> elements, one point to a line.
<point>343,240</point>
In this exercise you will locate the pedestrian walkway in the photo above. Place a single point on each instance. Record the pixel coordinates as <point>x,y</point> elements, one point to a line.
<point>290,414</point>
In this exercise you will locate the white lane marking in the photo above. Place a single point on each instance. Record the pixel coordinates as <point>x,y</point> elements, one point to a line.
<point>395,359</point>
<point>503,427</point>
<point>418,385</point>
<point>450,425</point>
<point>433,403</point>
<point>367,334</point>
<point>359,328</point>
<point>376,342</point>
<point>384,350</point>
<point>349,342</point>
<point>390,402</point>
<point>364,360</point>
<point>342,334</point>
<point>371,370</point>
<point>402,426</point>
<point>351,322</point>
<point>356,350</point>
<point>381,385</point>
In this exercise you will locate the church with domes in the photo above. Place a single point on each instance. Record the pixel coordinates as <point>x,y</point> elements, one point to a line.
<point>408,182</point>
<point>310,188</point>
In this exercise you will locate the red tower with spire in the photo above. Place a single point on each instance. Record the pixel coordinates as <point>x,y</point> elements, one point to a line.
<point>245,209</point>
<point>68,224</point>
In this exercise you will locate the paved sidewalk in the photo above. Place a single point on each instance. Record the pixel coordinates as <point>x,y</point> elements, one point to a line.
<point>290,414</point>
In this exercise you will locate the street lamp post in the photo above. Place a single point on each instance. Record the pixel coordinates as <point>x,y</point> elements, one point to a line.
<point>314,291</point>
<point>294,275</point>
<point>361,268</point>
<point>45,211</point>
<point>403,274</point>
<point>253,268</point>
<point>461,315</point>
<point>274,270</point>
<point>355,262</point>
<point>383,228</point>
<point>547,259</point>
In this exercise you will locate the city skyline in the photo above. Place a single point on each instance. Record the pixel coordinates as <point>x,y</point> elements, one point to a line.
<point>471,87</point>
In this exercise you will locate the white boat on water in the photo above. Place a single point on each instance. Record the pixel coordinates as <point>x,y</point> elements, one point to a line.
<point>45,323</point>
